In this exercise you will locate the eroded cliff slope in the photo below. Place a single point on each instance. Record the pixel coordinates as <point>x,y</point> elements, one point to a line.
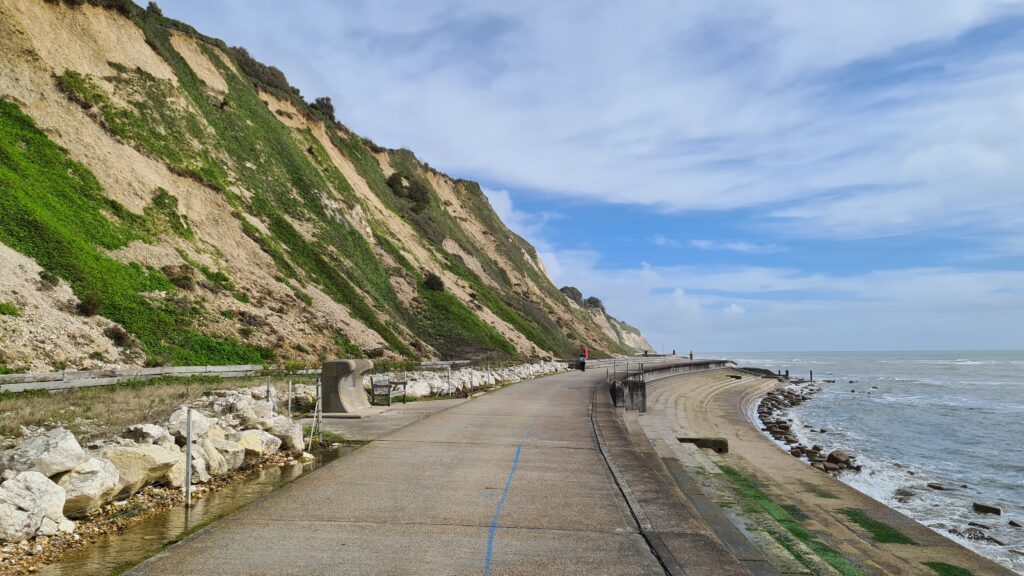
<point>166,199</point>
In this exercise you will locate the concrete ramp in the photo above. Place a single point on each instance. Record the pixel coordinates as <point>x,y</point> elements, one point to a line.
<point>342,386</point>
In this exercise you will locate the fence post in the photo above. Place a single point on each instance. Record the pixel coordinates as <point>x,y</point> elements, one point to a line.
<point>270,399</point>
<point>188,458</point>
<point>289,398</point>
<point>449,380</point>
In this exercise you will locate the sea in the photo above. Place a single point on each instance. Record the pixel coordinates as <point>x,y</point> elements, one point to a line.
<point>955,419</point>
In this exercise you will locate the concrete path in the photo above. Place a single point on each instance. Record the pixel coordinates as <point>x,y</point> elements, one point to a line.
<point>509,483</point>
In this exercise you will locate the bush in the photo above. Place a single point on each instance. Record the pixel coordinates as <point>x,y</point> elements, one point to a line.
<point>434,282</point>
<point>8,309</point>
<point>152,7</point>
<point>182,276</point>
<point>119,336</point>
<point>267,75</point>
<point>48,280</point>
<point>395,182</point>
<point>324,105</point>
<point>572,293</point>
<point>90,304</point>
<point>594,302</point>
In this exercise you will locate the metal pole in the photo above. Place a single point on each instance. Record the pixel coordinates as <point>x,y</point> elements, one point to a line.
<point>449,381</point>
<point>270,399</point>
<point>188,458</point>
<point>289,398</point>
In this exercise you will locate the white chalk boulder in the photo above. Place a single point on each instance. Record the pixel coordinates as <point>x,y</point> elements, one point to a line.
<point>258,444</point>
<point>31,504</point>
<point>149,434</point>
<point>50,453</point>
<point>290,433</point>
<point>232,452</point>
<point>177,424</point>
<point>140,464</point>
<point>89,485</point>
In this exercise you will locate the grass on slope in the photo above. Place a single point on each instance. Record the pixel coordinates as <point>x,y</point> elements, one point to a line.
<point>943,569</point>
<point>880,531</point>
<point>790,520</point>
<point>56,213</point>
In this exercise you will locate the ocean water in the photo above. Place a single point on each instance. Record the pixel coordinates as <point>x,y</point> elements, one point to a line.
<point>954,418</point>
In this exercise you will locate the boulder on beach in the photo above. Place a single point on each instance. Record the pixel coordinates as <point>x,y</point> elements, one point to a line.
<point>838,457</point>
<point>31,504</point>
<point>89,485</point>
<point>175,476</point>
<point>986,509</point>
<point>50,453</point>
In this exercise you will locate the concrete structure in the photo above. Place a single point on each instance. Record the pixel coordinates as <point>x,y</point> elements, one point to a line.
<point>341,385</point>
<point>513,482</point>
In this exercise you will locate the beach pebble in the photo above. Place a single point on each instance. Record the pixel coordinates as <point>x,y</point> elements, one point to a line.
<point>1016,524</point>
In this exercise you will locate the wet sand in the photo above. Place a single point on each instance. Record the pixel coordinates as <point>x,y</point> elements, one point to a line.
<point>713,404</point>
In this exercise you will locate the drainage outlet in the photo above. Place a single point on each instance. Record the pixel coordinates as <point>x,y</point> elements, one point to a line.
<point>719,445</point>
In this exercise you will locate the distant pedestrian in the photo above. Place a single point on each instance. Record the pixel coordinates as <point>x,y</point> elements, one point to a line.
<point>691,354</point>
<point>583,362</point>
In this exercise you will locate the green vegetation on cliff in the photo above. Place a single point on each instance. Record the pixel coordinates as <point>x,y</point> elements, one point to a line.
<point>55,212</point>
<point>289,193</point>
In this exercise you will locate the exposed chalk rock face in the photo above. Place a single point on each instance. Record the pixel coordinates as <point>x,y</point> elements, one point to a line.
<point>50,453</point>
<point>178,422</point>
<point>290,433</point>
<point>149,434</point>
<point>139,465</point>
<point>31,504</point>
<point>257,444</point>
<point>88,486</point>
<point>232,452</point>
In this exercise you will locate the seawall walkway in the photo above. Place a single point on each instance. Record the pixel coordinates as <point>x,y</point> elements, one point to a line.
<point>514,482</point>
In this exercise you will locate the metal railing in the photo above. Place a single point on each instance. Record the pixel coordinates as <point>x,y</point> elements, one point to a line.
<point>629,386</point>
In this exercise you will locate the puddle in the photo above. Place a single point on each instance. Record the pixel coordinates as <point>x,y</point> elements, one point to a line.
<point>136,543</point>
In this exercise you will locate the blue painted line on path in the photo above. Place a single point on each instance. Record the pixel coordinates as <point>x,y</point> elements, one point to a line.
<point>504,496</point>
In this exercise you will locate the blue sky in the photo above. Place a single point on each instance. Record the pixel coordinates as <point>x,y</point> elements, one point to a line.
<point>748,175</point>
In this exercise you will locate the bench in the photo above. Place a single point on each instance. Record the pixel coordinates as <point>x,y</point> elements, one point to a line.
<point>382,385</point>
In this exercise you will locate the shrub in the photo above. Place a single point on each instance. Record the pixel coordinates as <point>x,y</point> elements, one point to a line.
<point>48,280</point>
<point>119,336</point>
<point>397,184</point>
<point>324,105</point>
<point>267,75</point>
<point>8,309</point>
<point>434,282</point>
<point>152,7</point>
<point>572,293</point>
<point>90,304</point>
<point>182,276</point>
<point>595,302</point>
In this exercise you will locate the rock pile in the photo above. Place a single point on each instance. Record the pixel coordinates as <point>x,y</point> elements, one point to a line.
<point>50,477</point>
<point>433,382</point>
<point>771,412</point>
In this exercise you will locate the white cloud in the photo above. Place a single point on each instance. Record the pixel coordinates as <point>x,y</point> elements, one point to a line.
<point>736,246</point>
<point>662,240</point>
<point>758,308</point>
<point>685,106</point>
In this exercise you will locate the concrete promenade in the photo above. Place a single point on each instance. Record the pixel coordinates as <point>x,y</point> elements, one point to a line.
<point>513,482</point>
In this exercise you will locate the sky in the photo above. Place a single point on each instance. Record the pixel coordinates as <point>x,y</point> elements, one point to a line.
<point>727,176</point>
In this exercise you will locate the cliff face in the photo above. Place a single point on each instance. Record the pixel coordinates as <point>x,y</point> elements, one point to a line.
<point>167,199</point>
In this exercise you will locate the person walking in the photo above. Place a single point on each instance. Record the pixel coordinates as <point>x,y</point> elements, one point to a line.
<point>691,354</point>
<point>583,360</point>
